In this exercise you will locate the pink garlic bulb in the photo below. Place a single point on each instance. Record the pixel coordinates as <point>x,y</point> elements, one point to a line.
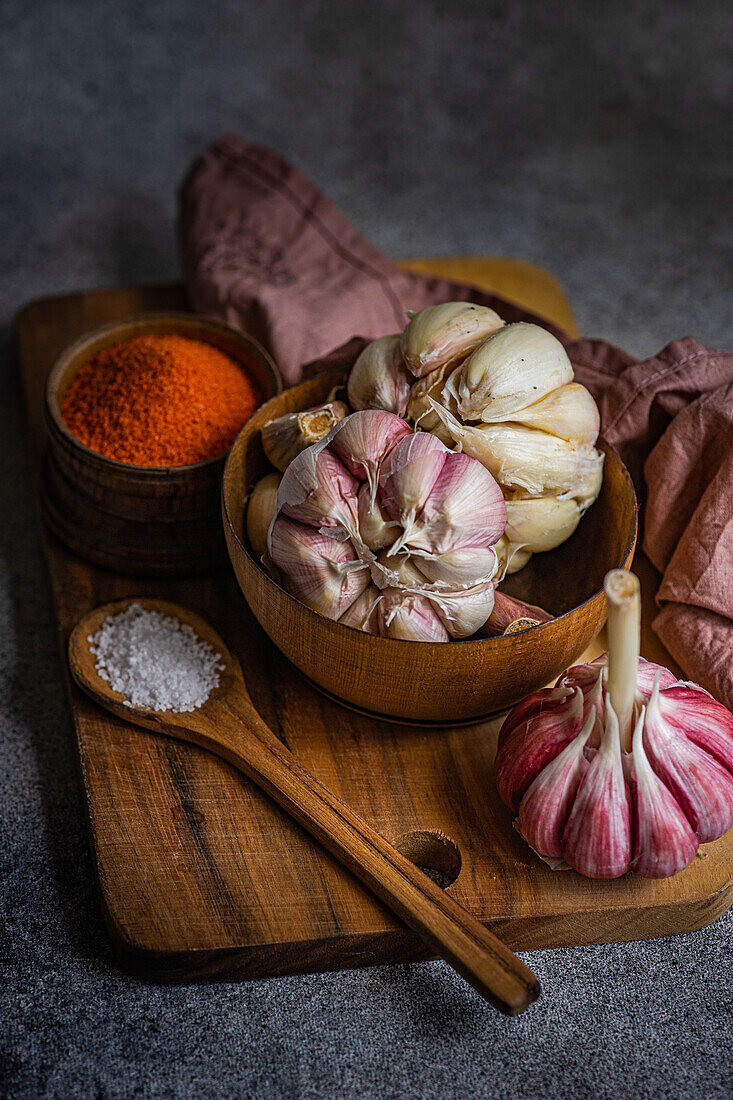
<point>620,766</point>
<point>388,531</point>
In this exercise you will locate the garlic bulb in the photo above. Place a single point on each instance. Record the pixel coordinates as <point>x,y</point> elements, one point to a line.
<point>379,378</point>
<point>441,334</point>
<point>416,524</point>
<point>261,508</point>
<point>324,573</point>
<point>512,368</point>
<point>620,766</point>
<point>287,436</point>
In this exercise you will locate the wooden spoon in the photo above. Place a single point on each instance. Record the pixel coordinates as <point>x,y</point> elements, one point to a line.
<point>228,725</point>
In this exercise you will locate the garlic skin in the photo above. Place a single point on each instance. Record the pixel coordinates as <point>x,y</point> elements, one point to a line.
<point>364,441</point>
<point>465,508</point>
<point>439,335</point>
<point>325,574</point>
<point>287,436</point>
<point>317,489</point>
<point>261,508</point>
<point>513,368</point>
<point>362,613</point>
<point>605,798</point>
<point>420,410</point>
<point>407,479</point>
<point>376,529</point>
<point>379,378</point>
<point>459,568</point>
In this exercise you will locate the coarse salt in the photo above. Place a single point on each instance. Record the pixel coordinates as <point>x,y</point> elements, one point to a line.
<point>155,660</point>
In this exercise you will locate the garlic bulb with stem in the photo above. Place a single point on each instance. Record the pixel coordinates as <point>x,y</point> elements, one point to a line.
<point>261,508</point>
<point>620,766</point>
<point>286,436</point>
<point>379,378</point>
<point>441,334</point>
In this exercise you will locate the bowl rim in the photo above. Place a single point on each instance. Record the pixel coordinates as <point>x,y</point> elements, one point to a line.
<point>628,555</point>
<point>151,319</point>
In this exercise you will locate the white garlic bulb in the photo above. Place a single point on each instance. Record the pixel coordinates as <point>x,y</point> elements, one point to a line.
<point>442,334</point>
<point>379,378</point>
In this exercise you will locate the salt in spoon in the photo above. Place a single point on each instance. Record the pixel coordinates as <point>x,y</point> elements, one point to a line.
<point>228,725</point>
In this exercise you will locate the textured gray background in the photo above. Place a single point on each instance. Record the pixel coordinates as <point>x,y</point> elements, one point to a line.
<point>580,136</point>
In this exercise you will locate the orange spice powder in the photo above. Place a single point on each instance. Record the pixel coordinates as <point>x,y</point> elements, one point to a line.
<point>159,401</point>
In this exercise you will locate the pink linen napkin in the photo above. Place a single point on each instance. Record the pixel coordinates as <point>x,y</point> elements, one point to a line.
<point>264,250</point>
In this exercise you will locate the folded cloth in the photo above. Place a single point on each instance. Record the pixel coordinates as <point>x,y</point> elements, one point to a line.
<point>264,250</point>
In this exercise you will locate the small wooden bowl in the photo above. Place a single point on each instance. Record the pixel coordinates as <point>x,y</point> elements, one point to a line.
<point>440,683</point>
<point>155,521</point>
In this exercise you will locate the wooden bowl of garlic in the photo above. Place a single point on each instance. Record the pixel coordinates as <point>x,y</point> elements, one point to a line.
<point>432,682</point>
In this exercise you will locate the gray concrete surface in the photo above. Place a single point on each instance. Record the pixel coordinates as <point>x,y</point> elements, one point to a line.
<point>593,138</point>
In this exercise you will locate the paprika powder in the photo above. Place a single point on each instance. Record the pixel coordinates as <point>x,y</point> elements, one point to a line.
<point>159,400</point>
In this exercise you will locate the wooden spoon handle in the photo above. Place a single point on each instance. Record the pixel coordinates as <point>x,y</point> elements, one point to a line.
<point>237,733</point>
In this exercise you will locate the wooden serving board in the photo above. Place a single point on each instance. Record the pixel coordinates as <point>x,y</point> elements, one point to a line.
<point>202,876</point>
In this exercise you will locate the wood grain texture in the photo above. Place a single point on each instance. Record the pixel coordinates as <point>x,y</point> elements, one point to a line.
<point>392,678</point>
<point>148,521</point>
<point>170,823</point>
<point>228,725</point>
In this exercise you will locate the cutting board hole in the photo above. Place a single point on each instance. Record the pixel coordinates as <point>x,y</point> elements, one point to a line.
<point>434,853</point>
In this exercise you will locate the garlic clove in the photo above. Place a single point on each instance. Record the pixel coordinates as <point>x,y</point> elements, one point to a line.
<point>664,842</point>
<point>511,557</point>
<point>407,477</point>
<point>379,378</point>
<point>514,367</point>
<point>465,508</point>
<point>556,715</point>
<point>465,566</point>
<point>409,616</point>
<point>376,529</point>
<point>362,614</point>
<point>527,462</point>
<point>568,412</point>
<point>541,523</point>
<point>398,571</point>
<point>508,610</point>
<point>441,334</point>
<point>364,440</point>
<point>464,611</point>
<point>320,571</point>
<point>261,508</point>
<point>419,408</point>
<point>701,785</point>
<point>287,436</point>
<point>690,710</point>
<point>546,805</point>
<point>317,489</point>
<point>597,839</point>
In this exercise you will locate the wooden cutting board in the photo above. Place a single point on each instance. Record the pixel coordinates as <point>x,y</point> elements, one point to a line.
<point>201,876</point>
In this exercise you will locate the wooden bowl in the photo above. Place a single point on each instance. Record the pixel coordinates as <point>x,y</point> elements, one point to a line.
<point>441,683</point>
<point>156,521</point>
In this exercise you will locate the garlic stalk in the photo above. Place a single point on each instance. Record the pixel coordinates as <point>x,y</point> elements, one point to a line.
<point>261,508</point>
<point>379,378</point>
<point>620,766</point>
<point>287,436</point>
<point>441,334</point>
